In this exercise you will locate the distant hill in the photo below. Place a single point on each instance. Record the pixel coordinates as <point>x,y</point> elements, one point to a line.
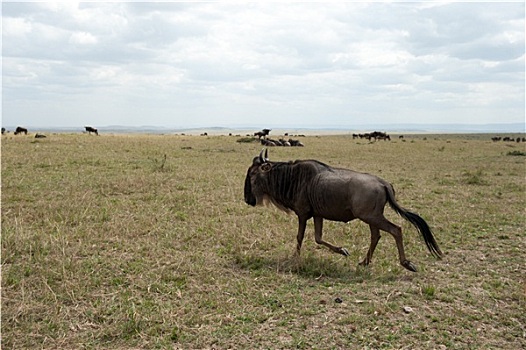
<point>455,128</point>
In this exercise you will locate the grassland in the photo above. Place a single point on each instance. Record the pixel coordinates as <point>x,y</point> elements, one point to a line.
<point>144,241</point>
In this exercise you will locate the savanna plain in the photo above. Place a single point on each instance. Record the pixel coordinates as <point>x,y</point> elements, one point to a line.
<point>145,242</point>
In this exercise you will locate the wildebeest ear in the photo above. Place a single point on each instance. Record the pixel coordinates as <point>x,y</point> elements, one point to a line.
<point>265,167</point>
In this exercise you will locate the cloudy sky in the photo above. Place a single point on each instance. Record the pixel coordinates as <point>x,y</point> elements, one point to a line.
<point>273,64</point>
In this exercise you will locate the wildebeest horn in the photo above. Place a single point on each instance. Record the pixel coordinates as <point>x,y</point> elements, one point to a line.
<point>263,159</point>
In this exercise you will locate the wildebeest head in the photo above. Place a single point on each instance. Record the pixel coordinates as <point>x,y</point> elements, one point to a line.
<point>255,180</point>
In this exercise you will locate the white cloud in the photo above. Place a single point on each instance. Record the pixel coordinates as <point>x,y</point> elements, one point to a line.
<point>16,27</point>
<point>219,64</point>
<point>82,38</point>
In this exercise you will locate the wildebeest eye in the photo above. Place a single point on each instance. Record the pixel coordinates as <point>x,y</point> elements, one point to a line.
<point>265,167</point>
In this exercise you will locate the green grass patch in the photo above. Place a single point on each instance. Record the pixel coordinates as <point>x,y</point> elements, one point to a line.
<point>516,153</point>
<point>474,178</point>
<point>247,140</point>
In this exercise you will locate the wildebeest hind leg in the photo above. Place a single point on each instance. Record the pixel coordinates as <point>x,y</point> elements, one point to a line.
<point>318,227</point>
<point>385,225</point>
<point>375,237</point>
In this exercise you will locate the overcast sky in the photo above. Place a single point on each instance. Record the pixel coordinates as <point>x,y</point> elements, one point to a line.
<point>274,64</point>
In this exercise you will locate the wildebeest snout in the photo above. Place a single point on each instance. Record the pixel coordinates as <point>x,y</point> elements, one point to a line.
<point>250,199</point>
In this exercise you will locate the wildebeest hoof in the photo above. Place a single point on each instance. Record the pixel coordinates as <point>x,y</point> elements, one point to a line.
<point>344,251</point>
<point>409,265</point>
<point>364,263</point>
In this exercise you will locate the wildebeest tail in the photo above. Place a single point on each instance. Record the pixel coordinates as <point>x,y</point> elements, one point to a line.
<point>417,221</point>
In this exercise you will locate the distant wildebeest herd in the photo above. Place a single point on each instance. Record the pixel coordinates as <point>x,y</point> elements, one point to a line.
<point>376,135</point>
<point>266,141</point>
<point>21,130</point>
<point>282,142</point>
<point>508,139</point>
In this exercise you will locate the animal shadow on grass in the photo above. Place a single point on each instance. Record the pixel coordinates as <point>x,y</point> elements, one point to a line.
<point>308,266</point>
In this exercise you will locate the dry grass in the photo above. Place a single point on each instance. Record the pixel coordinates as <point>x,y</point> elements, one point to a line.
<point>144,241</point>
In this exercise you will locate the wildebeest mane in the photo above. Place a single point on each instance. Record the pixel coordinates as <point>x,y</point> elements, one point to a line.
<point>287,179</point>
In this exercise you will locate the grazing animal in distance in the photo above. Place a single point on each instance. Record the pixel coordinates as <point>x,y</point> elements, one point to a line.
<point>312,189</point>
<point>90,129</point>
<point>296,143</point>
<point>20,130</point>
<point>40,136</point>
<point>263,133</point>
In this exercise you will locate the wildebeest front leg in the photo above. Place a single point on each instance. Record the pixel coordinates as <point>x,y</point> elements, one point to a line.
<point>301,233</point>
<point>375,237</point>
<point>318,227</point>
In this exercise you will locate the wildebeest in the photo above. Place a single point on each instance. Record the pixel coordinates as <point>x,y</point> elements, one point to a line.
<point>281,142</point>
<point>3,131</point>
<point>267,142</point>
<point>376,135</point>
<point>263,133</point>
<point>312,189</point>
<point>40,136</point>
<point>90,129</point>
<point>296,143</point>
<point>20,130</point>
